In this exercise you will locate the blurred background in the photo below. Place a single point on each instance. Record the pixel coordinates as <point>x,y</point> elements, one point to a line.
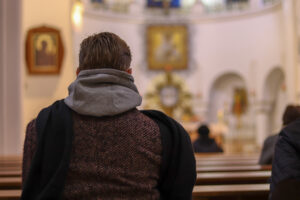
<point>232,64</point>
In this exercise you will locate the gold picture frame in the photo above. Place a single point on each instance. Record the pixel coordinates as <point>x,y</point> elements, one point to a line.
<point>44,50</point>
<point>167,47</point>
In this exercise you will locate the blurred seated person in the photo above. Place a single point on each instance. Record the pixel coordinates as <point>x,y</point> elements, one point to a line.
<point>205,144</point>
<point>286,163</point>
<point>290,114</point>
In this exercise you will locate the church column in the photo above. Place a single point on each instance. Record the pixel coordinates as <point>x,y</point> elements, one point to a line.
<point>1,77</point>
<point>262,117</point>
<point>10,77</point>
<point>290,49</point>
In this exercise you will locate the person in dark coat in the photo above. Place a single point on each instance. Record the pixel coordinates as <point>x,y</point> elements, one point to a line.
<point>205,144</point>
<point>286,163</point>
<point>290,114</point>
<point>96,144</point>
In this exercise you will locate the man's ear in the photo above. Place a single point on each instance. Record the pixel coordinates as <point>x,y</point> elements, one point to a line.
<point>77,71</point>
<point>129,70</point>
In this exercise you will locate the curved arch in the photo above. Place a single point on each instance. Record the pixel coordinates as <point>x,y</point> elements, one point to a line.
<point>222,91</point>
<point>274,79</point>
<point>274,92</point>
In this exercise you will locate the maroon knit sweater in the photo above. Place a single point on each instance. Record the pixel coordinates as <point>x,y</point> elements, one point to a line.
<point>114,157</point>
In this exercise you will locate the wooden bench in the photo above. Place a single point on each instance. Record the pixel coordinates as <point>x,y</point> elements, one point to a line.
<point>226,162</point>
<point>10,164</point>
<point>10,158</point>
<point>215,192</point>
<point>10,194</point>
<point>218,156</point>
<point>234,168</point>
<point>10,182</point>
<point>218,178</point>
<point>231,192</point>
<point>10,168</point>
<point>6,161</point>
<point>11,173</point>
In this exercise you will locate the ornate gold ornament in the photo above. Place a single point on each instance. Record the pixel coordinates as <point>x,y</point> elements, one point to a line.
<point>168,93</point>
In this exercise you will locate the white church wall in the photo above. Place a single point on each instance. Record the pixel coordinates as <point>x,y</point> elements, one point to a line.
<point>42,90</point>
<point>249,45</point>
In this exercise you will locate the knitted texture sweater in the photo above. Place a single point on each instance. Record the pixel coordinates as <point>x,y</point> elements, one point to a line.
<point>116,157</point>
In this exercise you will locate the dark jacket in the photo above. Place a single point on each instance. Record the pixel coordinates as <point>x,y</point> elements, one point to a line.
<point>206,145</point>
<point>106,160</point>
<point>286,163</point>
<point>267,153</point>
<point>49,166</point>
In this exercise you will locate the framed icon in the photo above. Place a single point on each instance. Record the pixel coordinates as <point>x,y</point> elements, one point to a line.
<point>167,46</point>
<point>44,50</point>
<point>159,3</point>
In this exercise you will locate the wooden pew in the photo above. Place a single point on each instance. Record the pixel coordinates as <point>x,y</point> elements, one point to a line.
<point>231,192</point>
<point>212,178</point>
<point>224,156</point>
<point>11,173</point>
<point>218,178</point>
<point>10,165</point>
<point>234,168</point>
<point>10,183</point>
<point>10,158</point>
<point>10,194</point>
<point>7,161</point>
<point>226,162</point>
<point>211,192</point>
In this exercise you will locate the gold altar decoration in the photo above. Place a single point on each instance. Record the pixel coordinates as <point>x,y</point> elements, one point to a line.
<point>169,94</point>
<point>240,103</point>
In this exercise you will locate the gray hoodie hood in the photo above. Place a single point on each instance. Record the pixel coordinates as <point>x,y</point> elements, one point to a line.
<point>103,92</point>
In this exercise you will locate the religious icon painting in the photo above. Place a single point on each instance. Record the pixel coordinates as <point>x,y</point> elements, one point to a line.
<point>160,3</point>
<point>240,101</point>
<point>44,50</point>
<point>167,47</point>
<point>97,3</point>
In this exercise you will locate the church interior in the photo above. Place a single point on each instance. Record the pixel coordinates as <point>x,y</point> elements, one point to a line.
<point>230,64</point>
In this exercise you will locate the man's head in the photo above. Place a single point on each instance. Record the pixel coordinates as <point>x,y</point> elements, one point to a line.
<point>203,130</point>
<point>290,114</point>
<point>104,50</point>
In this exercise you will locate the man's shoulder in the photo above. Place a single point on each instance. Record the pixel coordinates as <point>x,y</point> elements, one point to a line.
<point>166,123</point>
<point>159,116</point>
<point>31,124</point>
<point>31,129</point>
